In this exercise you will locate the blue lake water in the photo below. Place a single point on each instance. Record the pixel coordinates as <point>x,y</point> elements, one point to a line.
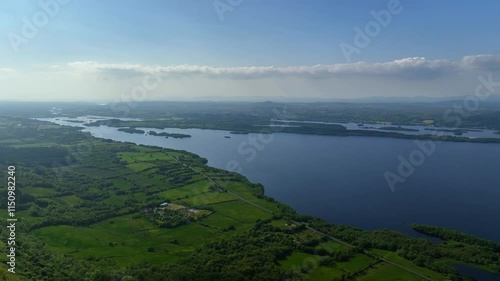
<point>476,273</point>
<point>341,179</point>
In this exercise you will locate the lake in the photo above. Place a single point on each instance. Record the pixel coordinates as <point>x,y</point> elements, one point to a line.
<point>341,179</point>
<point>476,273</point>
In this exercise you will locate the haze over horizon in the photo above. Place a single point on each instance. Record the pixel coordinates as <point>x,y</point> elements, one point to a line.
<point>185,50</point>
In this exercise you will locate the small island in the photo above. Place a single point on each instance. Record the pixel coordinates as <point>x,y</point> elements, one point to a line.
<point>455,131</point>
<point>398,128</point>
<point>169,135</point>
<point>131,131</point>
<point>74,121</point>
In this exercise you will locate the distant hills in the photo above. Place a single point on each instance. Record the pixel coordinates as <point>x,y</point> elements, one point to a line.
<point>373,99</point>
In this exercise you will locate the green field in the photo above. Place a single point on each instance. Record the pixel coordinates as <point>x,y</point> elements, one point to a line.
<point>388,272</point>
<point>69,200</point>
<point>95,172</point>
<point>391,256</point>
<point>240,211</point>
<point>325,273</point>
<point>207,198</point>
<point>40,192</point>
<point>296,260</point>
<point>357,263</point>
<point>332,246</point>
<point>131,238</point>
<point>185,191</point>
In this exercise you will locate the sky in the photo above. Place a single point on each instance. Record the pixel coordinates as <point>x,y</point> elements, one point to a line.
<point>69,50</point>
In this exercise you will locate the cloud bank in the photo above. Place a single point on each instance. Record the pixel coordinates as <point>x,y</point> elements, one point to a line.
<point>92,80</point>
<point>414,68</point>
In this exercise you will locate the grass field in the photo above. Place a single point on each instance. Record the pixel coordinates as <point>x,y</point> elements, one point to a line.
<point>388,272</point>
<point>296,260</point>
<point>118,201</point>
<point>121,183</point>
<point>281,224</point>
<point>130,239</point>
<point>95,172</point>
<point>133,157</point>
<point>357,263</point>
<point>40,192</point>
<point>242,190</point>
<point>332,246</point>
<point>361,266</point>
<point>406,263</point>
<point>70,200</point>
<point>240,211</point>
<point>140,166</point>
<point>219,222</point>
<point>325,273</point>
<point>207,198</point>
<point>185,191</point>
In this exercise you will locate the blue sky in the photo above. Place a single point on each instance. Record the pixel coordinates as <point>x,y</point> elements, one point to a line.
<point>279,33</point>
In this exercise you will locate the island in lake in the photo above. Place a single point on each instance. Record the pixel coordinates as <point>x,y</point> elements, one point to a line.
<point>169,135</point>
<point>131,131</point>
<point>75,121</point>
<point>398,128</point>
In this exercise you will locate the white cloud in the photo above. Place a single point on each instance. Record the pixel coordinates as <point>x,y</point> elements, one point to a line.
<point>90,80</point>
<point>415,68</point>
<point>483,62</point>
